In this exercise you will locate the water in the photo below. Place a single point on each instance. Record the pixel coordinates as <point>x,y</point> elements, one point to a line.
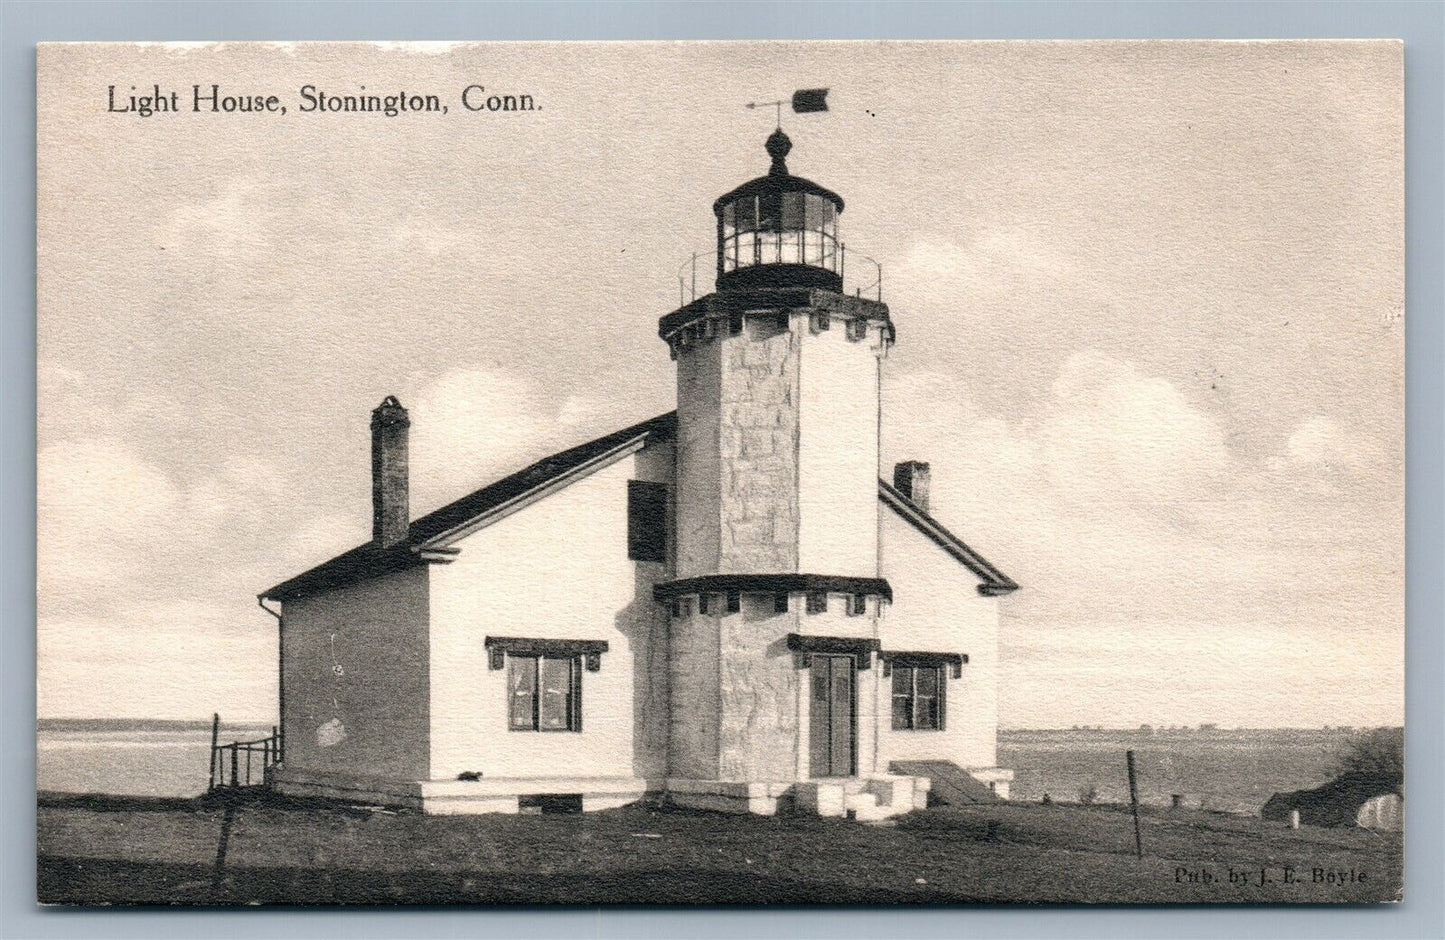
<point>1232,771</point>
<point>129,758</point>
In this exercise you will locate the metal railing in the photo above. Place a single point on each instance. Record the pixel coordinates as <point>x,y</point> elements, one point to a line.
<point>242,763</point>
<point>687,274</point>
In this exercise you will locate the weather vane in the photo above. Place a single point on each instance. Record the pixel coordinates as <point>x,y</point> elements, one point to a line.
<point>804,101</point>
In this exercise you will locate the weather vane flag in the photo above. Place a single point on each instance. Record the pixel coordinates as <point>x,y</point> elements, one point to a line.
<point>805,100</point>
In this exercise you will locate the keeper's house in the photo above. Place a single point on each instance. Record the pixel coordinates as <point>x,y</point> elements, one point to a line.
<point>724,605</point>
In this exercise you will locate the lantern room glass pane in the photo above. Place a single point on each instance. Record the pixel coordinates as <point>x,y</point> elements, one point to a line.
<point>747,244</point>
<point>814,213</point>
<point>768,248</point>
<point>729,219</point>
<point>813,247</point>
<point>791,243</point>
<point>769,211</point>
<point>793,211</point>
<point>744,214</point>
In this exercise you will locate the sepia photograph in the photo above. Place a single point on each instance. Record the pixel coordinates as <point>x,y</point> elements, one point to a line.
<point>720,473</point>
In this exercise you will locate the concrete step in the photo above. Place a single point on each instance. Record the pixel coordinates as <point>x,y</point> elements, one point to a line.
<point>861,800</point>
<point>950,784</point>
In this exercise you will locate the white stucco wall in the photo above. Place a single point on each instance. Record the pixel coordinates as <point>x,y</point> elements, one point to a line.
<point>837,451</point>
<point>556,569</point>
<point>376,632</point>
<point>699,467</point>
<point>937,608</point>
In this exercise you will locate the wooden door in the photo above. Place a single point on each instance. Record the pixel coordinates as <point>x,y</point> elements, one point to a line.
<point>832,717</point>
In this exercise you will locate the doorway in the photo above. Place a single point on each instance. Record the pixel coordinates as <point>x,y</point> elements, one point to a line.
<point>832,726</point>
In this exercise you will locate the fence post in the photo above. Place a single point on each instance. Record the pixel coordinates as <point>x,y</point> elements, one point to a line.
<point>235,767</point>
<point>1134,802</point>
<point>215,733</point>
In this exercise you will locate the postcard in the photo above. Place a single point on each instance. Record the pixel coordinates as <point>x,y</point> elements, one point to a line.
<point>720,473</point>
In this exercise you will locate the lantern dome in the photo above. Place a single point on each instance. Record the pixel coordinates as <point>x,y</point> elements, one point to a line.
<point>778,230</point>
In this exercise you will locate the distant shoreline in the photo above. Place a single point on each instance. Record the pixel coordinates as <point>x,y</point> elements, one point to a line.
<point>138,724</point>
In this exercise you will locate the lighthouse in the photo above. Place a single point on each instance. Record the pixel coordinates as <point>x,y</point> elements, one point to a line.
<point>778,594</point>
<point>727,606</point>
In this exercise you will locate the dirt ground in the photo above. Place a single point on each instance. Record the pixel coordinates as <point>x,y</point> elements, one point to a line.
<point>109,850</point>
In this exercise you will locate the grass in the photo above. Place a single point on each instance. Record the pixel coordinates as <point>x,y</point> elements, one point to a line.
<point>163,851</point>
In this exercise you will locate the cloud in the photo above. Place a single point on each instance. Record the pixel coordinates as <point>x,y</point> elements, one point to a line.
<point>1114,435</point>
<point>1117,496</point>
<point>471,426</point>
<point>1320,442</point>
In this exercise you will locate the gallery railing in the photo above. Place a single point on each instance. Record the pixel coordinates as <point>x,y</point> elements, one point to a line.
<point>868,282</point>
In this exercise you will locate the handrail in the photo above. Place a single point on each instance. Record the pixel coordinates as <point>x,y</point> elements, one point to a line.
<point>227,771</point>
<point>687,275</point>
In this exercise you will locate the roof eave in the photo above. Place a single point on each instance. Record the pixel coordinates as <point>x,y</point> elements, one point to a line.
<point>444,539</point>
<point>994,582</point>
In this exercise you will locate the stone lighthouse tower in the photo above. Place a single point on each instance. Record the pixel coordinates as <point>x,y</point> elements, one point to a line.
<point>777,597</point>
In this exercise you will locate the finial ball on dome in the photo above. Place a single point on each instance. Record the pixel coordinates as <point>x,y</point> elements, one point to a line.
<point>778,146</point>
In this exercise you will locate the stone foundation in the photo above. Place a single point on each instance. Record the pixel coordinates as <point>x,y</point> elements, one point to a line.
<point>459,797</point>
<point>862,798</point>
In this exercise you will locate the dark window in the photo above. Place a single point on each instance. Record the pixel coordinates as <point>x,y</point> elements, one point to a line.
<point>735,324</point>
<point>780,603</point>
<point>857,604</point>
<point>704,604</point>
<point>817,602</point>
<point>918,698</point>
<point>646,521</point>
<point>735,601</point>
<point>544,693</point>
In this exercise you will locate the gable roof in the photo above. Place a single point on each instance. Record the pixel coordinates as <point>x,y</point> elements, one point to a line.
<point>995,582</point>
<point>428,536</point>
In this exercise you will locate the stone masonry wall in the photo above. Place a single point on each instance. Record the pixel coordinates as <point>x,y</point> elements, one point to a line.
<point>758,449</point>
<point>758,692</point>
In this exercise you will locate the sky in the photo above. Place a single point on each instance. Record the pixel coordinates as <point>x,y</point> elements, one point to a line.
<point>1149,302</point>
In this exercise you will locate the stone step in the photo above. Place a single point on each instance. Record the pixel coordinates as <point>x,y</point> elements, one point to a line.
<point>861,801</point>
<point>873,814</point>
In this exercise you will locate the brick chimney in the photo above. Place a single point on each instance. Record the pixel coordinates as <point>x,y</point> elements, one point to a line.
<point>911,479</point>
<point>390,517</point>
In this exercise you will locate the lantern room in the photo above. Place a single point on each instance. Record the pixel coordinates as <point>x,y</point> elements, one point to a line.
<point>779,230</point>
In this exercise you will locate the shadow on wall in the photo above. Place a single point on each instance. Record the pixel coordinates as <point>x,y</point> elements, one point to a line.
<point>644,623</point>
